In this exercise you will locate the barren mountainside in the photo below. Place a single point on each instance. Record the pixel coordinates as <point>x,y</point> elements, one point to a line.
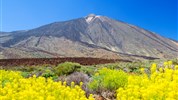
<point>90,36</point>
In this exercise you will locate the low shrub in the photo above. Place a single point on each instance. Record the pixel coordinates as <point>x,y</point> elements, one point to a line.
<point>48,73</point>
<point>89,70</point>
<point>25,74</point>
<point>66,68</point>
<point>79,78</point>
<point>107,79</point>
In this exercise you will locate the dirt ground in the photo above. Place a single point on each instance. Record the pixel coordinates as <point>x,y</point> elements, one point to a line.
<point>55,61</point>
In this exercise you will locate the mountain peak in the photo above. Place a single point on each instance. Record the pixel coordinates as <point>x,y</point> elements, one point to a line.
<point>91,17</point>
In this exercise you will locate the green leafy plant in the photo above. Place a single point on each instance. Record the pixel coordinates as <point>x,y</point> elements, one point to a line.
<point>89,70</point>
<point>107,79</point>
<point>25,74</point>
<point>66,68</point>
<point>48,73</point>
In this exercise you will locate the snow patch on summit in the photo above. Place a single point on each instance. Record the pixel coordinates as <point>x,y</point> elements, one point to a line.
<point>91,17</point>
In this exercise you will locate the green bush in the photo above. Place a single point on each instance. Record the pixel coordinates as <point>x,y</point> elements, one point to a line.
<point>175,61</point>
<point>66,68</point>
<point>107,79</point>
<point>89,70</point>
<point>28,68</point>
<point>25,74</point>
<point>48,73</point>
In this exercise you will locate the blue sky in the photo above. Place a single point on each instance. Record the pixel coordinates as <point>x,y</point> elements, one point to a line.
<point>159,16</point>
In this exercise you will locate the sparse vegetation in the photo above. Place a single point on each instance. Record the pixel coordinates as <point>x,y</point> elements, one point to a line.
<point>114,80</point>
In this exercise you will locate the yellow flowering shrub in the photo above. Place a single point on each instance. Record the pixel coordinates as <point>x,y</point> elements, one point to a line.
<point>161,84</point>
<point>8,76</point>
<point>107,79</point>
<point>15,87</point>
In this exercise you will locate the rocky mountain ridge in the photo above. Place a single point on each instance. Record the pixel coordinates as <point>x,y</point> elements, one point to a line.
<point>90,36</point>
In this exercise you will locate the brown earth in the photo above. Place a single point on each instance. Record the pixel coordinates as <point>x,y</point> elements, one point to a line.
<point>55,61</point>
